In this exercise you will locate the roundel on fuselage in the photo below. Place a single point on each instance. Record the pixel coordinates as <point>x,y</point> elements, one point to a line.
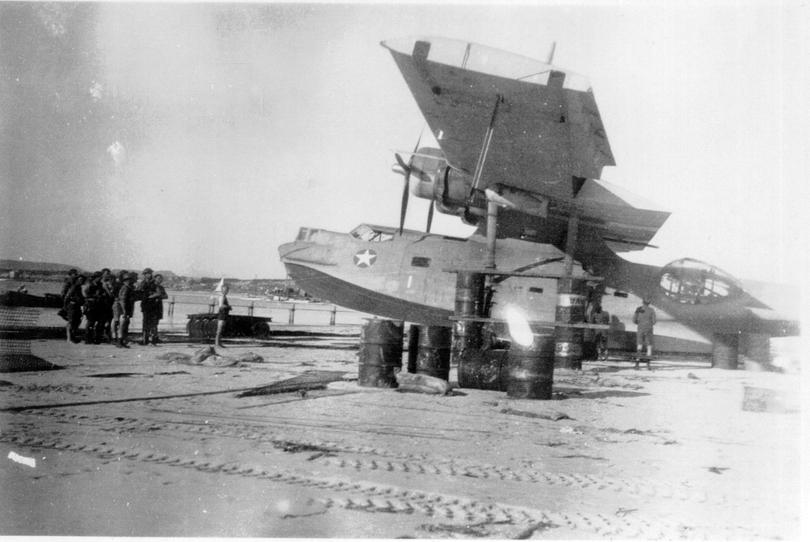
<point>365,258</point>
<point>697,283</point>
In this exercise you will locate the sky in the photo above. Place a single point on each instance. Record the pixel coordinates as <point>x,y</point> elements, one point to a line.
<point>197,138</point>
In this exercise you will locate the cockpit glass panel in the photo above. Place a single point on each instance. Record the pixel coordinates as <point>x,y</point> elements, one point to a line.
<point>304,234</point>
<point>365,232</point>
<point>695,282</point>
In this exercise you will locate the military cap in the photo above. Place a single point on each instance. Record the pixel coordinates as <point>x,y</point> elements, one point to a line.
<point>147,270</point>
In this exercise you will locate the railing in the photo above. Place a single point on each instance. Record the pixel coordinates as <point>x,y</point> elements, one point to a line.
<point>291,308</point>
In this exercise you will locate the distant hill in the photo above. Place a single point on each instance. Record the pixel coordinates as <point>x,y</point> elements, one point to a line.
<point>24,265</point>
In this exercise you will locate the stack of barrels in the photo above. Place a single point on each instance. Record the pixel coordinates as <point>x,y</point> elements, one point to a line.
<point>571,301</point>
<point>475,369</point>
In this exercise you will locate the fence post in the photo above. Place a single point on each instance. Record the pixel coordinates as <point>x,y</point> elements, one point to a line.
<point>250,309</point>
<point>171,307</point>
<point>332,316</point>
<point>292,314</point>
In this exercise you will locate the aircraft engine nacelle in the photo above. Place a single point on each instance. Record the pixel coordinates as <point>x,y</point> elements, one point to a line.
<point>448,187</point>
<point>694,282</point>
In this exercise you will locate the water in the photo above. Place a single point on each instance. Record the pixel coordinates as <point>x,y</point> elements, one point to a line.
<point>191,302</point>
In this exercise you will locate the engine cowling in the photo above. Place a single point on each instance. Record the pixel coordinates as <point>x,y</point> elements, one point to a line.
<point>436,180</point>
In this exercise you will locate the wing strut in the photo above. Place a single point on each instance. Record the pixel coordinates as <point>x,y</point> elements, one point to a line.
<point>482,157</point>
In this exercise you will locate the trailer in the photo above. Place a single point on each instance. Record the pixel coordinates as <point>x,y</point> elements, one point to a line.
<point>204,326</point>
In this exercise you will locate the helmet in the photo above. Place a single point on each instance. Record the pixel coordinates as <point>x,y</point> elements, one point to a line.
<point>147,270</point>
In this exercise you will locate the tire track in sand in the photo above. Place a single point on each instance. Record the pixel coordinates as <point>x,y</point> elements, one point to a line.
<point>391,461</point>
<point>375,497</point>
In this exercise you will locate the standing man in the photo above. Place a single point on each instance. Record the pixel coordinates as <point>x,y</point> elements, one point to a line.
<point>150,306</point>
<point>74,304</point>
<point>117,307</point>
<point>68,282</point>
<point>126,298</point>
<point>223,309</point>
<point>644,318</point>
<point>93,309</point>
<point>600,336</point>
<point>159,296</point>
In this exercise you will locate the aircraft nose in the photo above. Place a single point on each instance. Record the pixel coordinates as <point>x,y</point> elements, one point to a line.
<point>306,252</point>
<point>288,248</point>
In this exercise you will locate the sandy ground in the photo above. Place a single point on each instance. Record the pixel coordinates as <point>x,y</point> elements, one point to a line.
<point>127,443</point>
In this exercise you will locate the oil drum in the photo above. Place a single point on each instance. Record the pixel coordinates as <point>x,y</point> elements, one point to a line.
<point>725,350</point>
<point>469,293</point>
<point>413,347</point>
<point>483,370</point>
<point>467,337</point>
<point>433,352</point>
<point>210,327</point>
<point>193,328</point>
<point>530,368</point>
<point>571,301</point>
<point>380,353</point>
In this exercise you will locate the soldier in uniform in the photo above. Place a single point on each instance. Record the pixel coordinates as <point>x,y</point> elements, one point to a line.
<point>599,316</point>
<point>160,295</point>
<point>74,303</point>
<point>68,282</point>
<point>150,306</point>
<point>126,300</point>
<point>117,308</point>
<point>93,309</point>
<point>105,307</point>
<point>644,318</point>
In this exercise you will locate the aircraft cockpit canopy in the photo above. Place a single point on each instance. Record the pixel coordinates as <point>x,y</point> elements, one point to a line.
<point>695,282</point>
<point>364,232</point>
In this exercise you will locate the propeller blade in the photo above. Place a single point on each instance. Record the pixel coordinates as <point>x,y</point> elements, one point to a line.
<point>401,162</point>
<point>430,218</point>
<point>406,185</point>
<point>404,205</point>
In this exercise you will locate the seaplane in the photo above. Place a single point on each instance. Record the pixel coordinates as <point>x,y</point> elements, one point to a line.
<point>521,152</point>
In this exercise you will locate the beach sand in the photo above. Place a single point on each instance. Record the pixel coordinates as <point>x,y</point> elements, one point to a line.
<point>129,443</point>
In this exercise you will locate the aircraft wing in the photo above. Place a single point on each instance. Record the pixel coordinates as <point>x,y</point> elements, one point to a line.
<point>546,129</point>
<point>547,145</point>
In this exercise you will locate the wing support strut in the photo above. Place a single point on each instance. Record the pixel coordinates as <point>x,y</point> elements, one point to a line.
<point>482,157</point>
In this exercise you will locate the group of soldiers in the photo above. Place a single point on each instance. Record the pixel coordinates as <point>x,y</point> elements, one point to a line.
<point>107,303</point>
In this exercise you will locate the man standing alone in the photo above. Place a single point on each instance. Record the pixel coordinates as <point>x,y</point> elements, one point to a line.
<point>644,318</point>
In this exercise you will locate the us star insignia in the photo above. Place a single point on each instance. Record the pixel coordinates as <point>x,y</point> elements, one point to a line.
<point>365,258</point>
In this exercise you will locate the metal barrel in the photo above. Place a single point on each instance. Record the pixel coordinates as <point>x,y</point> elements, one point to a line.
<point>433,356</point>
<point>530,368</point>
<point>571,301</point>
<point>413,347</point>
<point>755,350</point>
<point>469,293</point>
<point>380,353</point>
<point>483,370</point>
<point>467,337</point>
<point>725,350</point>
